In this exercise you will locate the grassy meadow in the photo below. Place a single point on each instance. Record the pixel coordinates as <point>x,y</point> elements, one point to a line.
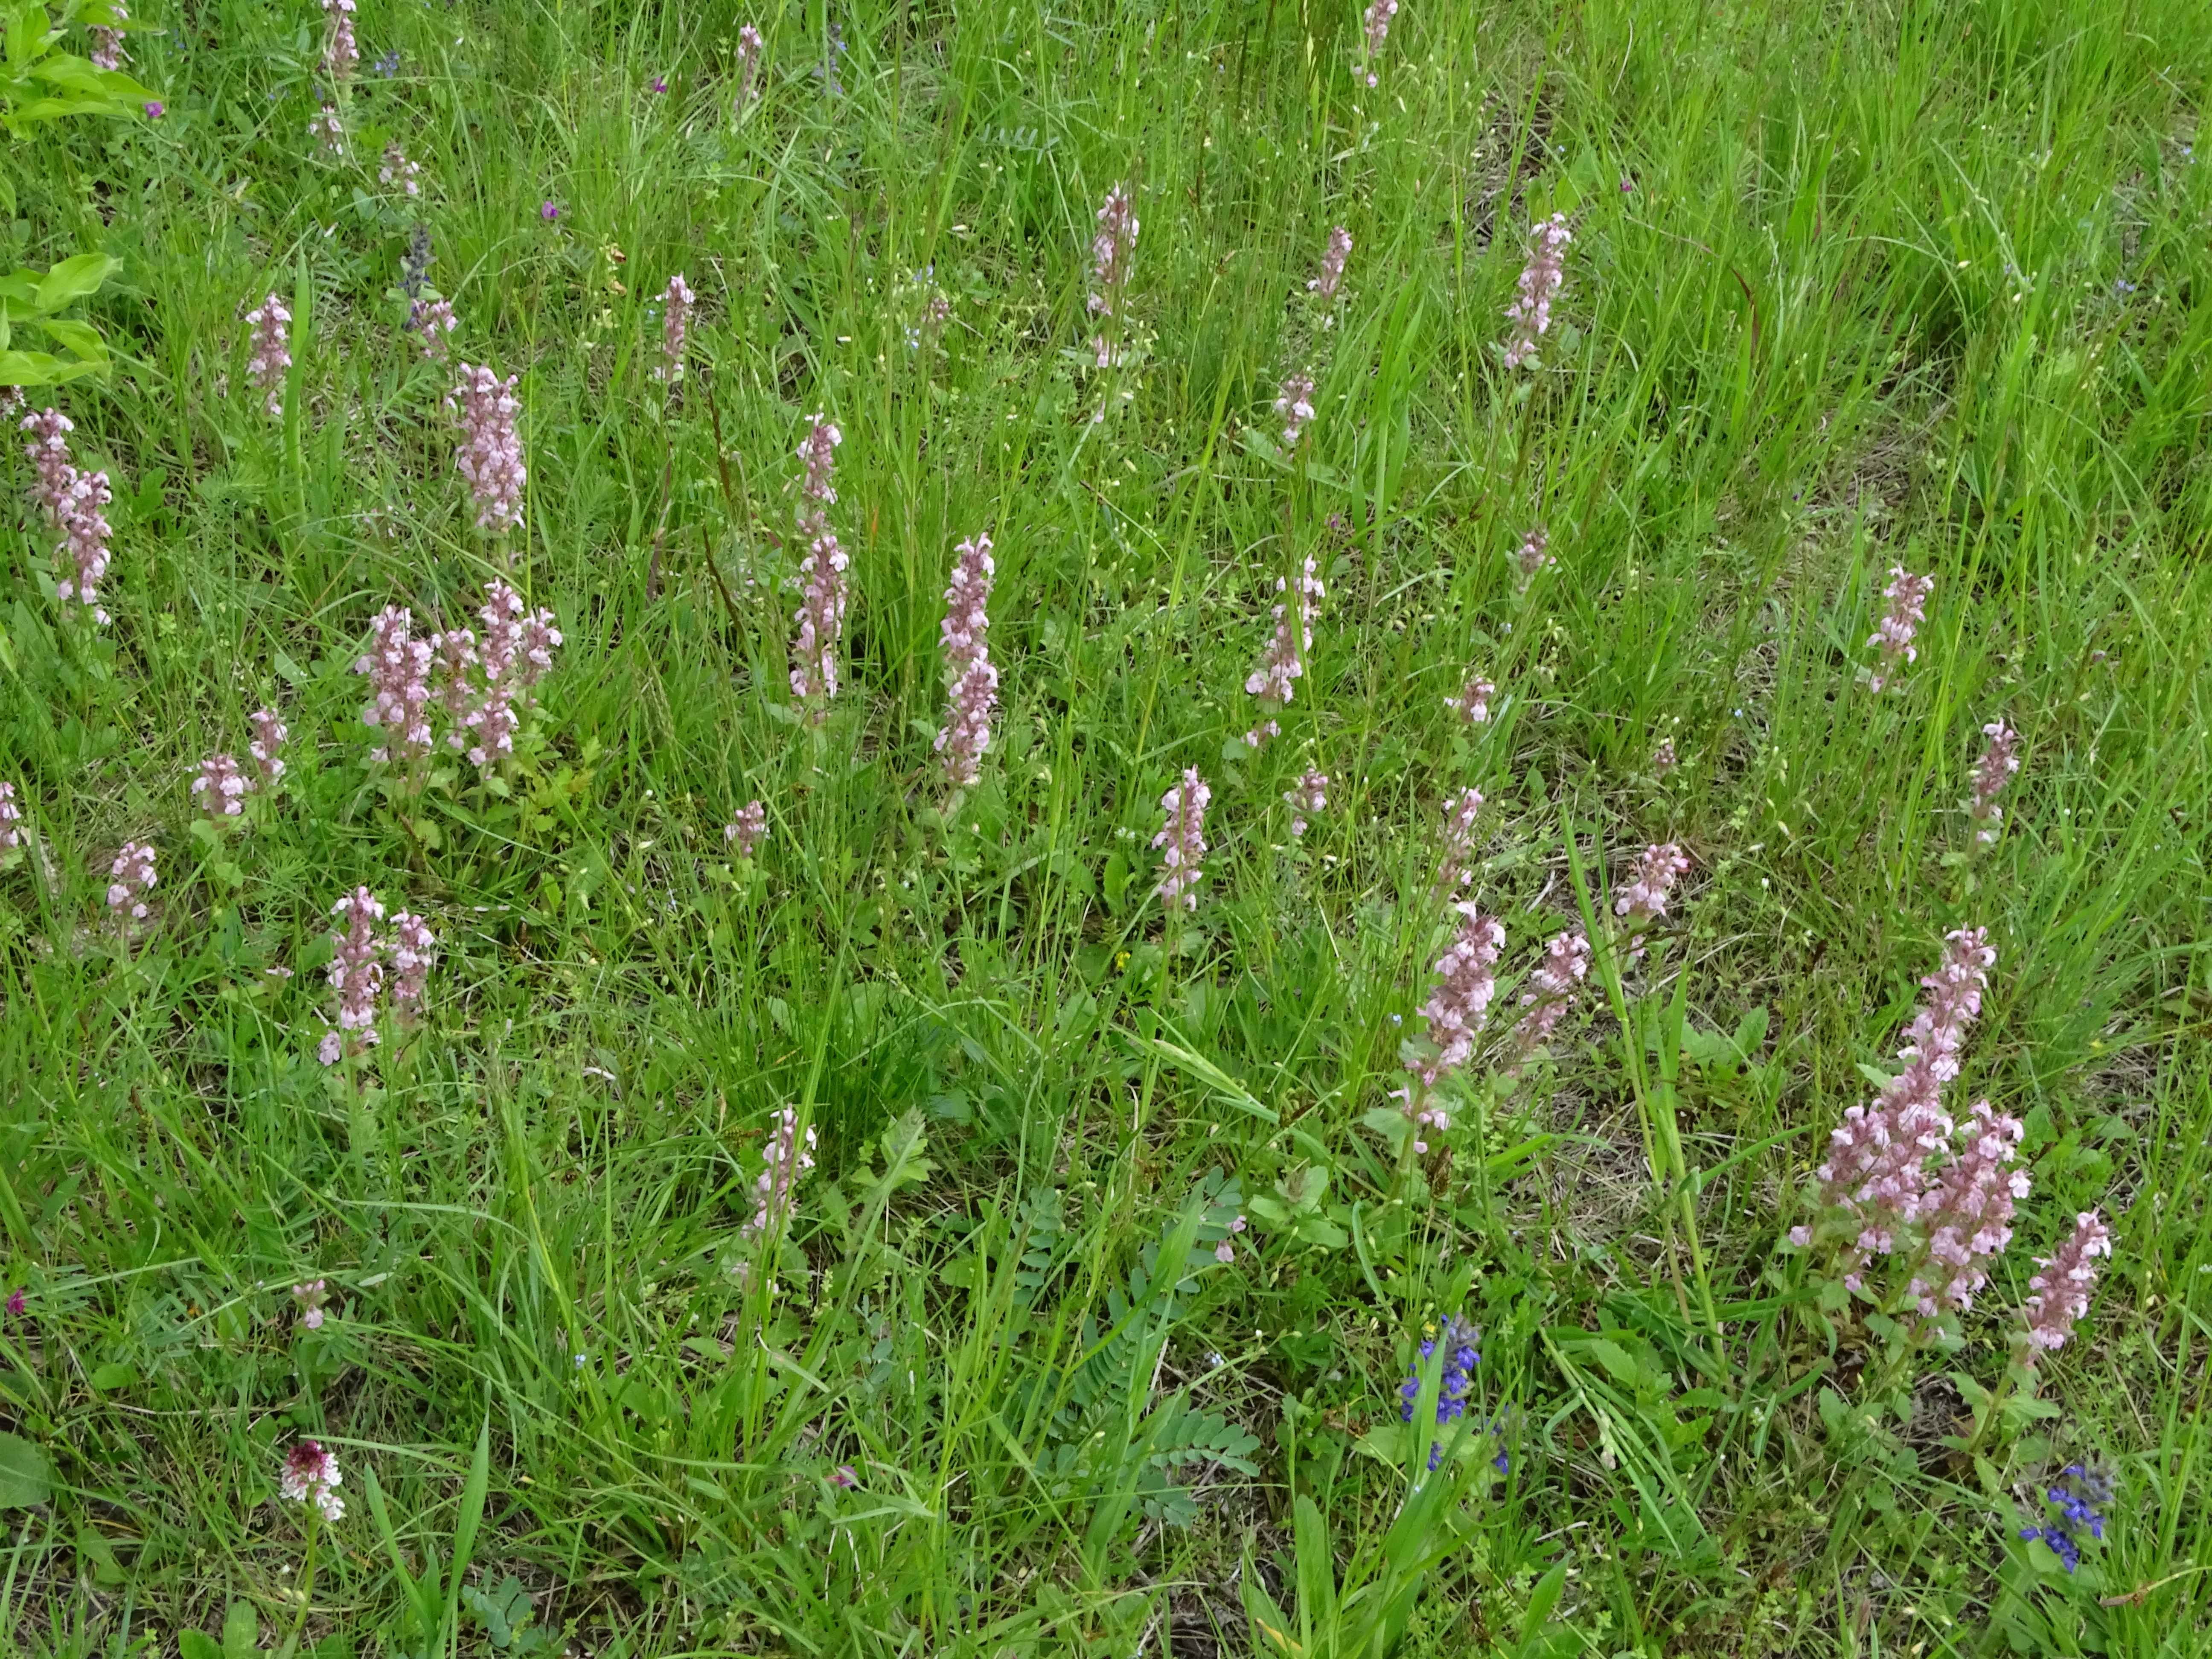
<point>1081,1329</point>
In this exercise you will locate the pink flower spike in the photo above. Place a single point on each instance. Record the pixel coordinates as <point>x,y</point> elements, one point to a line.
<point>1908,608</point>
<point>748,829</point>
<point>133,873</point>
<point>270,733</point>
<point>1295,405</point>
<point>327,128</point>
<point>965,636</point>
<point>1183,839</point>
<point>1541,281</point>
<point>1663,757</point>
<point>1377,24</point>
<point>785,1162</point>
<point>1999,761</point>
<point>11,819</point>
<point>1332,264</point>
<point>675,328</point>
<point>221,788</point>
<point>1457,867</point>
<point>1306,798</point>
<point>1643,899</point>
<point>85,531</point>
<point>750,45</point>
<point>1473,703</point>
<point>1969,1213</point>
<point>2062,1288</point>
<point>1549,994</point>
<point>1113,250</point>
<point>340,53</point>
<point>435,321</point>
<point>397,169</point>
<point>48,452</point>
<point>490,455</point>
<point>356,973</point>
<point>1467,980</point>
<point>107,51</point>
<point>311,1476</point>
<point>268,351</point>
<point>414,950</point>
<point>1275,680</point>
<point>1533,555</point>
<point>398,666</point>
<point>820,619</point>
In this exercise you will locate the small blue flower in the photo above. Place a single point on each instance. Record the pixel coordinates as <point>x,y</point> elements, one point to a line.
<point>2075,1494</point>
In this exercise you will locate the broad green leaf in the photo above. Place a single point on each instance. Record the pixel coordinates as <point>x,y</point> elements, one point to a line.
<point>26,1477</point>
<point>74,278</point>
<point>242,1631</point>
<point>80,338</point>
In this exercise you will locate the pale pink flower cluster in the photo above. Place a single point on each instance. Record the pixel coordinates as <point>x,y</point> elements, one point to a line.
<point>1473,703</point>
<point>397,169</point>
<point>1377,23</point>
<point>1456,866</point>
<point>675,328</point>
<point>85,530</point>
<point>748,829</point>
<point>484,687</point>
<point>1295,405</point>
<point>11,401</point>
<point>75,503</point>
<point>1549,993</point>
<point>311,1476</point>
<point>327,128</point>
<point>434,319</point>
<point>1540,278</point>
<point>2061,1291</point>
<point>270,733</point>
<point>824,597</point>
<point>356,973</point>
<point>398,669</point>
<point>1663,757</point>
<point>1182,839</point>
<point>48,452</point>
<point>490,455</point>
<point>1533,556</point>
<point>1331,277</point>
<point>133,873</point>
<point>1306,798</point>
<point>749,53</point>
<point>966,637</point>
<point>11,819</point>
<point>1275,680</point>
<point>106,40</point>
<point>268,351</point>
<point>1643,899</point>
<point>1969,1213</point>
<point>1999,761</point>
<point>1224,1253</point>
<point>309,1297</point>
<point>1908,608</point>
<point>340,54</point>
<point>1877,1168</point>
<point>222,788</point>
<point>1467,980</point>
<point>785,1162</point>
<point>1113,249</point>
<point>414,950</point>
